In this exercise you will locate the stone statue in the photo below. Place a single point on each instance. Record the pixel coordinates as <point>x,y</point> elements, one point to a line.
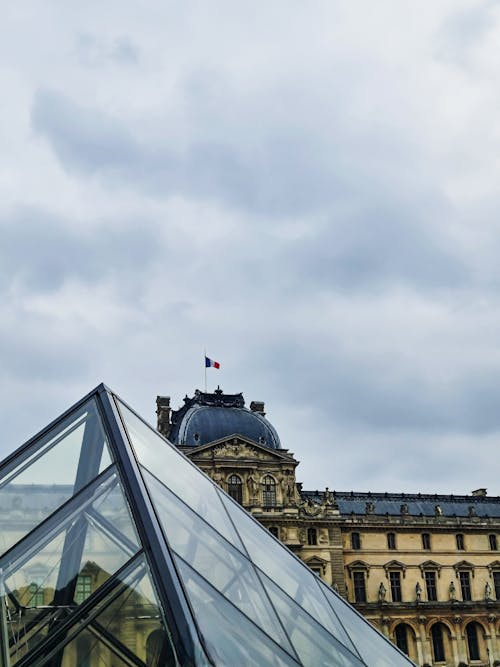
<point>437,510</point>
<point>404,508</point>
<point>253,485</point>
<point>418,591</point>
<point>487,591</point>
<point>369,507</point>
<point>218,478</point>
<point>381,592</point>
<point>453,592</point>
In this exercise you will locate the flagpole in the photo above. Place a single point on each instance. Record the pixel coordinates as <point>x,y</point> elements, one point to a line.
<point>205,365</point>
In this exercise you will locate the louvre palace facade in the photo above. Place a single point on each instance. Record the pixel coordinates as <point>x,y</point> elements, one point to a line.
<point>423,569</point>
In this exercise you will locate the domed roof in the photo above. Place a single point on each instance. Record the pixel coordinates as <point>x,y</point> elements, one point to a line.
<point>208,417</point>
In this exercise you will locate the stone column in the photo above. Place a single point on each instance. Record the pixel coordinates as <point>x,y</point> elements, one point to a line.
<point>460,649</point>
<point>493,639</point>
<point>425,645</point>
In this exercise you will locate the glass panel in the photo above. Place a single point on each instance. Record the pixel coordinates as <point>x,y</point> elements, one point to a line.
<point>47,474</point>
<point>215,559</point>
<point>177,473</point>
<point>230,637</point>
<point>315,646</point>
<point>87,548</point>
<point>126,629</point>
<point>278,563</point>
<point>373,647</point>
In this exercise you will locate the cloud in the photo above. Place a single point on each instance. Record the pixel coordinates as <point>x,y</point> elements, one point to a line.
<point>314,201</point>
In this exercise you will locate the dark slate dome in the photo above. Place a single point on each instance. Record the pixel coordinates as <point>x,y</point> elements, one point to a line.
<point>208,417</point>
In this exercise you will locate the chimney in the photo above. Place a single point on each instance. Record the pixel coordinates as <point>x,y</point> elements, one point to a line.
<point>479,492</point>
<point>258,407</point>
<point>163,411</point>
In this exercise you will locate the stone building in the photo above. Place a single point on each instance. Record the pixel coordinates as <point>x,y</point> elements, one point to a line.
<point>424,569</point>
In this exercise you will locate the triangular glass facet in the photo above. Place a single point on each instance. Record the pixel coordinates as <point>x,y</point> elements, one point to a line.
<point>49,471</point>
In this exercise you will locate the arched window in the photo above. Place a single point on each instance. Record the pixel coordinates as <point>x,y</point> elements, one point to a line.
<point>312,536</point>
<point>159,650</point>
<point>268,491</point>
<point>472,641</point>
<point>438,642</point>
<point>234,488</point>
<point>401,636</point>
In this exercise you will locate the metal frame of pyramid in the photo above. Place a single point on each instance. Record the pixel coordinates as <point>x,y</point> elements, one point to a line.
<point>182,575</point>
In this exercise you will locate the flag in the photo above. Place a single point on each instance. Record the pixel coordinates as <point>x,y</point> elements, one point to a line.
<point>210,363</point>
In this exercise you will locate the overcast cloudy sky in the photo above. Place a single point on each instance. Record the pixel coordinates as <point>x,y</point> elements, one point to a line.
<point>310,190</point>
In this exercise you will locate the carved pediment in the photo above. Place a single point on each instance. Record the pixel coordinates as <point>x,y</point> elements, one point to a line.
<point>464,565</point>
<point>430,565</point>
<point>395,565</point>
<point>358,565</point>
<point>317,563</point>
<point>494,565</point>
<point>240,448</point>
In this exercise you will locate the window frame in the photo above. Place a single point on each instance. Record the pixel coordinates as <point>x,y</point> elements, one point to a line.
<point>395,585</point>
<point>401,640</point>
<point>472,640</point>
<point>464,580</point>
<point>235,488</point>
<point>355,540</point>
<point>430,580</point>
<point>359,586</point>
<point>312,536</point>
<point>426,541</point>
<point>437,641</point>
<point>268,491</point>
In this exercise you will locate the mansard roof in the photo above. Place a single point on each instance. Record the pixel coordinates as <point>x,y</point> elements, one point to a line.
<point>420,504</point>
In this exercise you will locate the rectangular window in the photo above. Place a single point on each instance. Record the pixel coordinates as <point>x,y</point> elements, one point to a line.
<point>460,542</point>
<point>426,541</point>
<point>496,583</point>
<point>391,540</point>
<point>493,542</point>
<point>355,541</point>
<point>359,586</point>
<point>430,586</point>
<point>464,578</point>
<point>83,588</point>
<point>395,581</point>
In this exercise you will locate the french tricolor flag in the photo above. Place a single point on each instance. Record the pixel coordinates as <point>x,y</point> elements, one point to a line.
<point>210,363</point>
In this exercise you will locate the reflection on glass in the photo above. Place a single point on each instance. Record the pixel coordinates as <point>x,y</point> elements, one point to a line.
<point>371,645</point>
<point>48,473</point>
<point>127,628</point>
<point>315,646</point>
<point>216,560</point>
<point>231,638</point>
<point>177,473</point>
<point>89,545</point>
<point>280,566</point>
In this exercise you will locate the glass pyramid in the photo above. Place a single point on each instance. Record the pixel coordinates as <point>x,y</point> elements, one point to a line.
<point>116,551</point>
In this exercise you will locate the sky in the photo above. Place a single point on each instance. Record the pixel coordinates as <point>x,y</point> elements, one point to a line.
<point>308,191</point>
